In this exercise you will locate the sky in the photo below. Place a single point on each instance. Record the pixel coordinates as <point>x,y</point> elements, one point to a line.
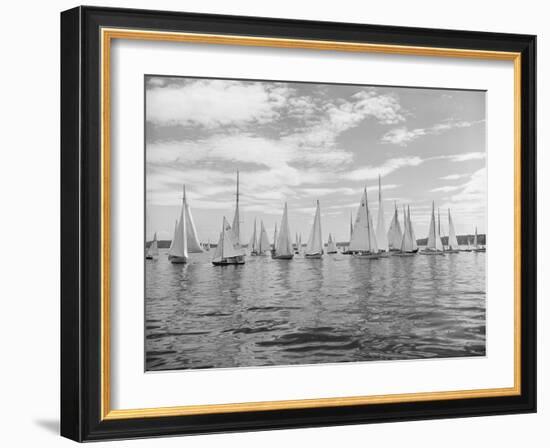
<point>302,142</point>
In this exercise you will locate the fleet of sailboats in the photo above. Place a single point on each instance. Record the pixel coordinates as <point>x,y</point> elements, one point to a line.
<point>365,240</point>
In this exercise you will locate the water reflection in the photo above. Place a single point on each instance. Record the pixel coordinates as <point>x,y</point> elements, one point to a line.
<point>303,311</point>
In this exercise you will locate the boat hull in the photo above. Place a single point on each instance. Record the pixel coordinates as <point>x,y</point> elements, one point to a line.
<point>283,257</point>
<point>453,251</point>
<point>431,252</point>
<point>228,261</point>
<point>177,260</point>
<point>480,250</point>
<point>332,252</point>
<point>404,254</point>
<point>366,256</point>
<point>314,255</point>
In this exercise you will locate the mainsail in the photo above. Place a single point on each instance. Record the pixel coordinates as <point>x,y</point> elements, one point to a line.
<point>179,243</point>
<point>411,229</point>
<point>284,246</point>
<point>193,244</point>
<point>263,242</point>
<point>331,246</point>
<point>275,238</point>
<point>434,237</point>
<point>407,242</point>
<point>453,242</point>
<point>253,244</point>
<point>373,244</point>
<point>153,250</point>
<point>359,236</point>
<point>381,235</point>
<point>237,217</point>
<point>395,236</point>
<point>476,243</point>
<point>315,241</point>
<point>174,237</point>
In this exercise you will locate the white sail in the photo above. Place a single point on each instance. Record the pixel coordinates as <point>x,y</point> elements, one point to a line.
<point>381,235</point>
<point>275,238</point>
<point>315,241</point>
<point>237,218</point>
<point>300,243</point>
<point>218,252</point>
<point>411,229</point>
<point>331,246</point>
<point>193,244</point>
<point>373,244</point>
<point>284,246</point>
<point>453,242</point>
<point>153,250</point>
<point>263,242</point>
<point>395,236</point>
<point>179,246</point>
<point>174,237</point>
<point>476,243</point>
<point>253,244</point>
<point>359,240</point>
<point>434,238</point>
<point>406,240</point>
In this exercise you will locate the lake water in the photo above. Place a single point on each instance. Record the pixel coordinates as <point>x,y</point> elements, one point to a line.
<point>336,309</point>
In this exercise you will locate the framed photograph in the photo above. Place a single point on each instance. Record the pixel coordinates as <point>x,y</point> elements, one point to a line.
<point>274,223</point>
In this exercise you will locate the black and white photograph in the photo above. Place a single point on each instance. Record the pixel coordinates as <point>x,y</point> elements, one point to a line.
<point>303,223</point>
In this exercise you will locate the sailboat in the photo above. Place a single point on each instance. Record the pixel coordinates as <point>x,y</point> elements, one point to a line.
<point>237,217</point>
<point>452,243</point>
<point>153,250</point>
<point>381,235</point>
<point>348,251</point>
<point>228,251</point>
<point>299,245</point>
<point>363,239</point>
<point>253,244</point>
<point>331,246</point>
<point>283,249</point>
<point>185,239</point>
<point>264,246</point>
<point>395,236</point>
<point>434,245</point>
<point>314,248</point>
<point>407,248</point>
<point>207,246</point>
<point>275,235</point>
<point>469,245</point>
<point>411,230</point>
<point>477,247</point>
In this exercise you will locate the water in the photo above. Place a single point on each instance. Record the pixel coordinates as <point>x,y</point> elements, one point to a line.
<point>303,311</point>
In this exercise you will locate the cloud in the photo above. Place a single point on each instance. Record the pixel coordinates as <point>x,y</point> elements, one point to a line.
<point>467,156</point>
<point>402,136</point>
<point>446,188</point>
<point>454,176</point>
<point>211,103</point>
<point>391,165</point>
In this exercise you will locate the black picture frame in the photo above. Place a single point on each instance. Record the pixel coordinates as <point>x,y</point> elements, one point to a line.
<point>81,224</point>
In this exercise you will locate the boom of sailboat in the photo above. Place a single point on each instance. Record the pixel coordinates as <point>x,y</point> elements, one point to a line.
<point>365,240</point>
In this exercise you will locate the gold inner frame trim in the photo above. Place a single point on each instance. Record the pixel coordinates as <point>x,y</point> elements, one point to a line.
<point>107,35</point>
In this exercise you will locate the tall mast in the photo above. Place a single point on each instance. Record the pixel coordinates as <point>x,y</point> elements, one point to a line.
<point>368,218</point>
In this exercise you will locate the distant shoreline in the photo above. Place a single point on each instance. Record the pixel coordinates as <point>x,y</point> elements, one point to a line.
<point>462,241</point>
